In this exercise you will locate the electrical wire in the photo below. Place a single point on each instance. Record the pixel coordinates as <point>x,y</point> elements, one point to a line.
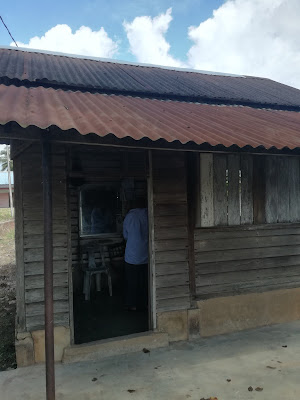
<point>8,31</point>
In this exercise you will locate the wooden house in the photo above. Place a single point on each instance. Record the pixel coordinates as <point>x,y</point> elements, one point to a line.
<point>4,189</point>
<point>217,157</point>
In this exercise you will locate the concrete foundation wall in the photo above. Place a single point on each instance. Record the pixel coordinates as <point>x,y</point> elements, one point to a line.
<point>212,317</point>
<point>236,313</point>
<point>30,346</point>
<point>230,314</point>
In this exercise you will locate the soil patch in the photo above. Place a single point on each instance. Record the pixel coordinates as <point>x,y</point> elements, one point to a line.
<point>7,297</point>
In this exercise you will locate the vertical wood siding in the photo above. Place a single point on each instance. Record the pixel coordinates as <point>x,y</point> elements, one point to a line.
<point>33,237</point>
<point>246,189</point>
<point>170,231</point>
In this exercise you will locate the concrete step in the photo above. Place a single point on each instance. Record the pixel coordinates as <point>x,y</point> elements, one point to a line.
<point>114,346</point>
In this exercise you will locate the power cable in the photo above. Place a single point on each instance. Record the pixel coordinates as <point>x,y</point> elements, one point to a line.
<point>8,31</point>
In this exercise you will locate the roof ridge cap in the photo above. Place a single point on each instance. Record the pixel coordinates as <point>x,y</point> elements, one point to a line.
<point>123,62</point>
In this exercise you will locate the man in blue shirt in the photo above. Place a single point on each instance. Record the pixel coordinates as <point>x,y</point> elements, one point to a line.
<point>135,232</point>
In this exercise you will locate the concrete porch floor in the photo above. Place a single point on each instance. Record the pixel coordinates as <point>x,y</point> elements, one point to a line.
<point>186,370</point>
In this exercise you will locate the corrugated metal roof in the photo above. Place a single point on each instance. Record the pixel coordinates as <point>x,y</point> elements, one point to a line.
<point>156,119</point>
<point>76,73</point>
<point>4,178</point>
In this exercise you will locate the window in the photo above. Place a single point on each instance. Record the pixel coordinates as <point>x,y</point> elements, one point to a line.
<point>245,189</point>
<point>100,209</point>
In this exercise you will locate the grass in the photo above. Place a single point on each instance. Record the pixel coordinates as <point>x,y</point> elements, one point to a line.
<point>5,214</point>
<point>8,235</point>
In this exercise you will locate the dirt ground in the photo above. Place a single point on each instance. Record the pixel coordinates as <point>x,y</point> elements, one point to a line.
<point>7,293</point>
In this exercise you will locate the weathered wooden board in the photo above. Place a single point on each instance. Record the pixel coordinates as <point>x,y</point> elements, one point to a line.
<point>233,190</point>
<point>37,295</point>
<point>36,227</point>
<point>171,256</point>
<point>173,268</point>
<point>248,231</point>
<point>37,214</point>
<point>271,189</point>
<point>176,232</point>
<point>248,287</point>
<point>259,190</point>
<point>251,276</point>
<point>37,241</point>
<point>37,321</point>
<point>170,221</point>
<point>219,267</point>
<point>33,309</point>
<point>170,186</point>
<point>37,281</point>
<point>37,268</point>
<point>172,280</point>
<point>179,303</point>
<point>171,244</point>
<point>173,292</point>
<point>176,210</point>
<point>294,189</point>
<point>206,190</point>
<point>33,255</point>
<point>165,198</point>
<point>220,190</point>
<point>283,174</point>
<point>246,189</point>
<point>246,243</point>
<point>242,254</point>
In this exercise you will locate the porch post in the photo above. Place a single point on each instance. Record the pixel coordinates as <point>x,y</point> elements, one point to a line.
<point>48,269</point>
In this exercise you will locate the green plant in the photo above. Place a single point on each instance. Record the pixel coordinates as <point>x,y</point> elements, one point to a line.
<point>3,161</point>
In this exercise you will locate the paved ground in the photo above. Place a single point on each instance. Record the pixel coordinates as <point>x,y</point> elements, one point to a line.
<point>267,358</point>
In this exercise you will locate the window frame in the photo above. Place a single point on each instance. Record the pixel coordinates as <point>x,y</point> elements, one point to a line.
<point>114,185</point>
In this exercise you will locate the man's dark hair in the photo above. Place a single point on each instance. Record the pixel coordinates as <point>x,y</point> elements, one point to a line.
<point>139,202</point>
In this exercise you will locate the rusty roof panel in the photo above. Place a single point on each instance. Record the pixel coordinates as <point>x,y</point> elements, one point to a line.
<point>155,119</point>
<point>76,73</point>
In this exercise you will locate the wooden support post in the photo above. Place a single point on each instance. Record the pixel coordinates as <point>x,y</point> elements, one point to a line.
<point>48,270</point>
<point>9,183</point>
<point>152,274</point>
<point>191,171</point>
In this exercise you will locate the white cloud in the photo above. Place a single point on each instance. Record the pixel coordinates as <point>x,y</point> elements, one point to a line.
<point>84,41</point>
<point>147,41</point>
<point>253,37</point>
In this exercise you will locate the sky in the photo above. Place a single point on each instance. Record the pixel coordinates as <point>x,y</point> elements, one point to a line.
<point>247,37</point>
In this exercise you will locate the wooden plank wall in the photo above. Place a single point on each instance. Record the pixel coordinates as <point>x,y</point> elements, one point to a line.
<point>238,260</point>
<point>170,231</point>
<point>33,237</point>
<point>245,256</point>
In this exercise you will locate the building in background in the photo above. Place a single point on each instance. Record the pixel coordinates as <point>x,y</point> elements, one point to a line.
<point>4,189</point>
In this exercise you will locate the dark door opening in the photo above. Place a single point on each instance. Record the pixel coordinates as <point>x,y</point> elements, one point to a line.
<point>100,283</point>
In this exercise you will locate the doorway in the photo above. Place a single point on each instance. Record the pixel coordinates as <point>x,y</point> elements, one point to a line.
<point>100,281</point>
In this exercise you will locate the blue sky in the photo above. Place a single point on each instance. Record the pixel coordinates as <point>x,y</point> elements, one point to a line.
<point>26,19</point>
<point>247,37</point>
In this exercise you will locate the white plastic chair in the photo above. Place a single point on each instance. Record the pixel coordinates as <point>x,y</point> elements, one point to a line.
<point>95,270</point>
